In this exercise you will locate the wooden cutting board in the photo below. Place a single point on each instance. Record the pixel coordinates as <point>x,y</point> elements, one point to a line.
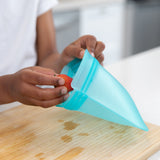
<point>33,133</point>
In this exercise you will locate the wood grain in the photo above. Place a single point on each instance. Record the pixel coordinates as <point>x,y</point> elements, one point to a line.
<point>33,133</point>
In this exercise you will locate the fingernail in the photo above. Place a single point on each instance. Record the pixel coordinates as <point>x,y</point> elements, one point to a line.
<point>66,97</point>
<point>63,91</point>
<point>61,81</point>
<point>92,49</point>
<point>82,53</point>
<point>92,54</point>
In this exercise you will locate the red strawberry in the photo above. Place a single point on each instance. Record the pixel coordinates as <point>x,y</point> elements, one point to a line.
<point>68,81</point>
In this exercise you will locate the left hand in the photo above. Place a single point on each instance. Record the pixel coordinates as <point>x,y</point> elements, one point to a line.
<point>77,49</point>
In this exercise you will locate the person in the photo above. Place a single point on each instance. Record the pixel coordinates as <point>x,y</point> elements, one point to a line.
<point>29,56</point>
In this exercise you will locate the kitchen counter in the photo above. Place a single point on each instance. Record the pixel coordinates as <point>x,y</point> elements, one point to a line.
<point>65,5</point>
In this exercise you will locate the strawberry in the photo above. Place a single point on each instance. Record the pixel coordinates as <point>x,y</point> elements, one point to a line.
<point>68,81</point>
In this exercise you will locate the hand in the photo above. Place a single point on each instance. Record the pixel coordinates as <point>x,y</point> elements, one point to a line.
<point>77,49</point>
<point>22,87</point>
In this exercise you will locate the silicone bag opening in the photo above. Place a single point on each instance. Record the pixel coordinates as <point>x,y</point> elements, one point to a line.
<point>98,93</point>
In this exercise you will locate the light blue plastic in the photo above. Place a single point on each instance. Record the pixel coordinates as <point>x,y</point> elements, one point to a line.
<point>98,93</point>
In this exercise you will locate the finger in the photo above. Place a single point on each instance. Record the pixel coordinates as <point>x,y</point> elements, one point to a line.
<point>74,51</point>
<point>37,78</point>
<point>48,103</point>
<point>100,46</point>
<point>91,44</point>
<point>44,93</point>
<point>43,70</point>
<point>87,42</point>
<point>100,58</point>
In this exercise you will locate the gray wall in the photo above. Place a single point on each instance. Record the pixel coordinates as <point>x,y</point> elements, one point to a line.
<point>67,28</point>
<point>142,26</point>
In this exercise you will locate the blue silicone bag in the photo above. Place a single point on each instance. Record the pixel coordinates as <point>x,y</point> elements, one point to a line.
<point>98,93</point>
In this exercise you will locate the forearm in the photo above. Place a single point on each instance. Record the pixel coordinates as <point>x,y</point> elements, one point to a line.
<point>4,87</point>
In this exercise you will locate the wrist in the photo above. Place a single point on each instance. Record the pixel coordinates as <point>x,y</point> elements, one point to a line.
<point>53,61</point>
<point>62,61</point>
<point>5,85</point>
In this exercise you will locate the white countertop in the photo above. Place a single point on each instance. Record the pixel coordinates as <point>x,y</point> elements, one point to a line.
<point>140,75</point>
<point>65,5</point>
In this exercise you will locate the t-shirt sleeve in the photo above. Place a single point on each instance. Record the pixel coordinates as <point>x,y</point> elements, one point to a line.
<point>46,5</point>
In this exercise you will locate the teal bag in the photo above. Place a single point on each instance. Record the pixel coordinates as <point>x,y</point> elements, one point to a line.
<point>98,93</point>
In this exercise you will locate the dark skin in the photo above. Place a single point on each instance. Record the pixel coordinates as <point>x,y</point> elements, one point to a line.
<point>21,86</point>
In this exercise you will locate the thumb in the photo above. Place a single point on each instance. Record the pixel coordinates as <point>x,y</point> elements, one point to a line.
<point>74,51</point>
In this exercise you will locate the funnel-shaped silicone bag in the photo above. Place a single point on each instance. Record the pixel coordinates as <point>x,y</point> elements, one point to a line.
<point>98,93</point>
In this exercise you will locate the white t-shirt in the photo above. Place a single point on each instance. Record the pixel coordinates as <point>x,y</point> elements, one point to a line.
<point>18,32</point>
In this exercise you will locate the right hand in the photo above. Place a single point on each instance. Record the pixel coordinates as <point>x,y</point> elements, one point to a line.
<point>22,87</point>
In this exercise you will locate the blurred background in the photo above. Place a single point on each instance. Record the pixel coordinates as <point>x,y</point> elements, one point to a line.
<point>127,27</point>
